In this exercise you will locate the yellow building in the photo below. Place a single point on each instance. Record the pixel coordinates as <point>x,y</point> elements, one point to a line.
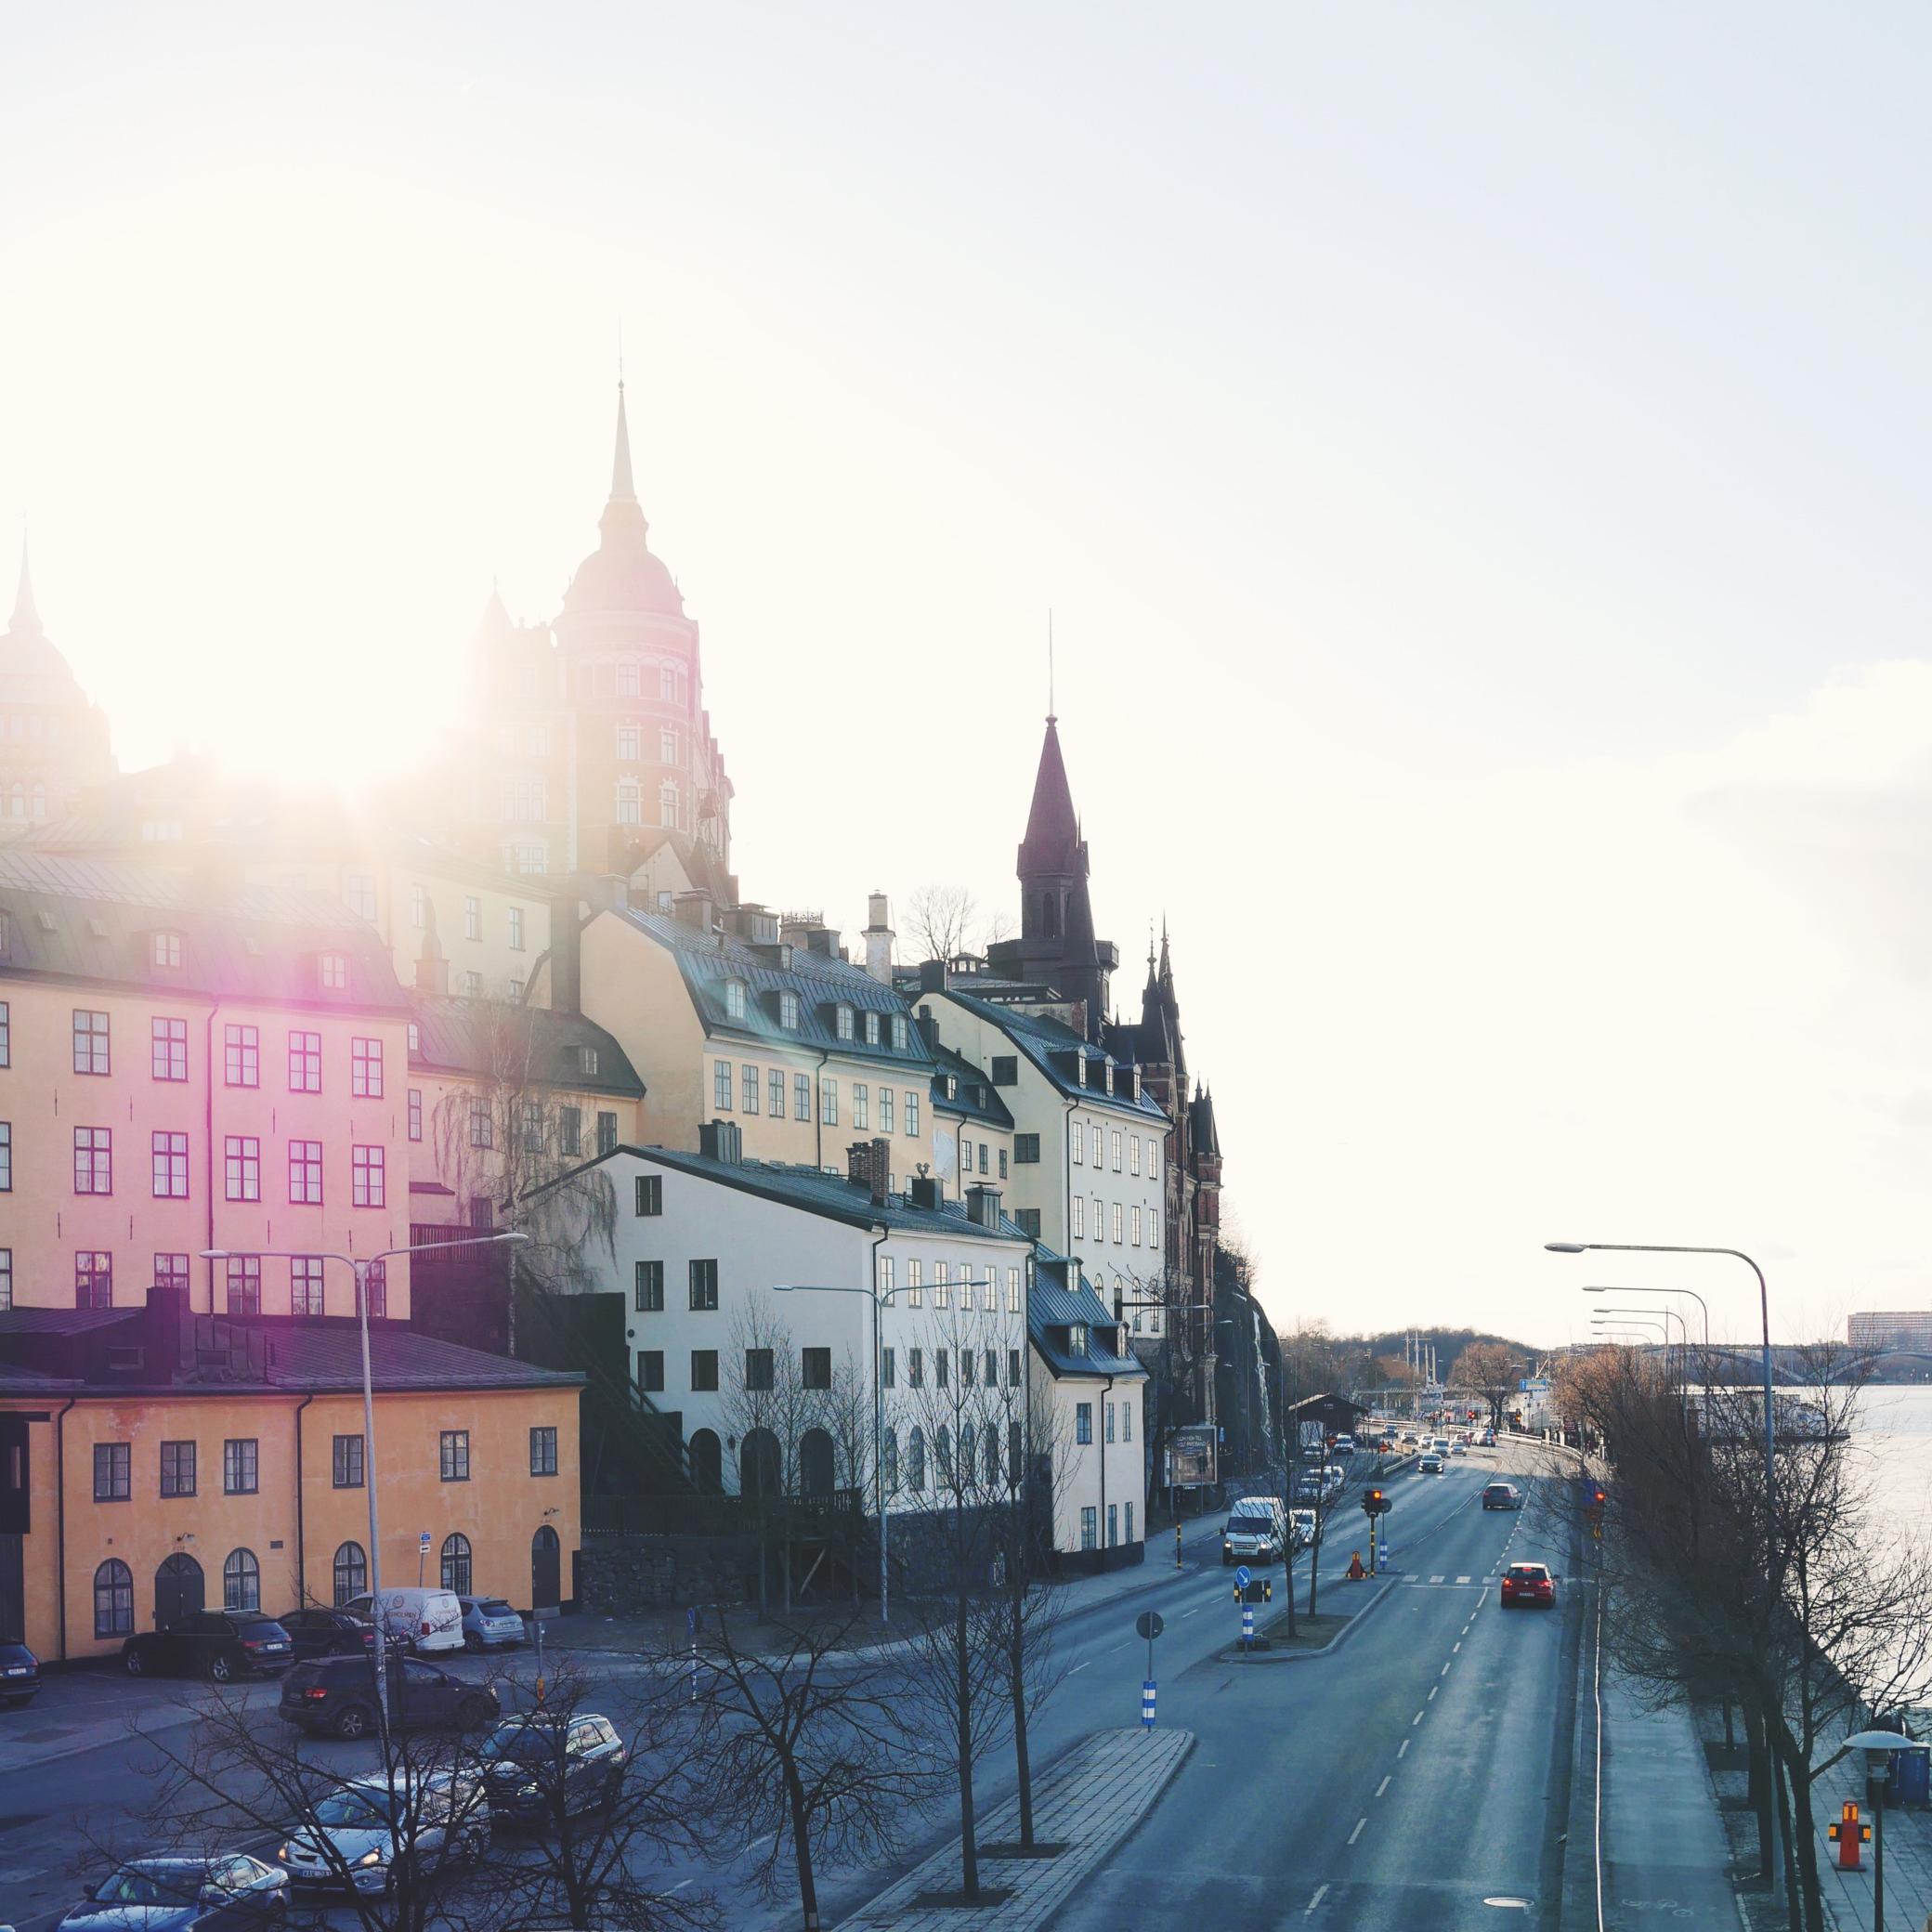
<point>152,1459</point>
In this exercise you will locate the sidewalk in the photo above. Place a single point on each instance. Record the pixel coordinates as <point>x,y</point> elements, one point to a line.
<point>1908,1853</point>
<point>1087,1803</point>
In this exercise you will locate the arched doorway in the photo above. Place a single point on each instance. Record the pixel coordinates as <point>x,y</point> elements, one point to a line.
<point>179,1590</point>
<point>815,1463</point>
<point>707,1455</point>
<point>546,1569</point>
<point>760,1468</point>
<point>351,1576</point>
<point>456,1563</point>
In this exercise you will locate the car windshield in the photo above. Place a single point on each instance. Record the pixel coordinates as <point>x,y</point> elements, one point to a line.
<point>1528,1572</point>
<point>527,1743</point>
<point>358,1808</point>
<point>135,1885</point>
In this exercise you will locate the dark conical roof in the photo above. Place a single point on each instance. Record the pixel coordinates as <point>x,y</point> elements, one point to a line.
<point>1052,839</point>
<point>623,573</point>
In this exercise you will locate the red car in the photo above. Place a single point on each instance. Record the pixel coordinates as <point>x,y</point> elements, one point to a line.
<point>1529,1583</point>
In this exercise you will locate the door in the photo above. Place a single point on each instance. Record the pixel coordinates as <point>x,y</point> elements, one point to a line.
<point>546,1569</point>
<point>13,1590</point>
<point>179,1591</point>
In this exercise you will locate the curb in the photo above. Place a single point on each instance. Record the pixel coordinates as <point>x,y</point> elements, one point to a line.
<point>1236,1654</point>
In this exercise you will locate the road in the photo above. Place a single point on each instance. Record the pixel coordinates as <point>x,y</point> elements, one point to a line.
<point>1452,1775</point>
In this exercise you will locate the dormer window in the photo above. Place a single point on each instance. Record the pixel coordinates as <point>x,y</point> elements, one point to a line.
<point>787,1010</point>
<point>336,972</point>
<point>587,1060</point>
<point>733,999</point>
<point>1076,1337</point>
<point>1110,1076</point>
<point>166,950</point>
<point>952,1087</point>
<point>843,1021</point>
<point>1081,1068</point>
<point>871,1029</point>
<point>899,1032</point>
<point>416,1038</point>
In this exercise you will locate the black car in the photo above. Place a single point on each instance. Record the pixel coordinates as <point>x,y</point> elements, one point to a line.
<point>317,1632</point>
<point>221,1644</point>
<point>19,1673</point>
<point>527,1760</point>
<point>337,1694</point>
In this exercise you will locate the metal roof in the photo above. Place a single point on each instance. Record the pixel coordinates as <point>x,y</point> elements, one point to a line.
<point>476,1037</point>
<point>1052,1306</point>
<point>1045,1042</point>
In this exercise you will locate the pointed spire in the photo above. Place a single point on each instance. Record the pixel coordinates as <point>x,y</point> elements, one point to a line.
<point>622,490</point>
<point>1166,965</point>
<point>25,621</point>
<point>1052,830</point>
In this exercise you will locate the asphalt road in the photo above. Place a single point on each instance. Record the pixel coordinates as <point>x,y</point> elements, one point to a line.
<point>1293,1755</point>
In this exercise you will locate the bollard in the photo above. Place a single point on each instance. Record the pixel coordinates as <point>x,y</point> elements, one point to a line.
<point>1177,1546</point>
<point>1148,1705</point>
<point>1248,1626</point>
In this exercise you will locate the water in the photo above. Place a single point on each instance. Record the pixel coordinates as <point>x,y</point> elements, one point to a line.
<point>1894,1442</point>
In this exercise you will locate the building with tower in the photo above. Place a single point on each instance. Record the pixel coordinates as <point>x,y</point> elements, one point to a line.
<point>53,741</point>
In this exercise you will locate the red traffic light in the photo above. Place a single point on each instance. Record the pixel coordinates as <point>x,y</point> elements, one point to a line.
<point>1598,1496</point>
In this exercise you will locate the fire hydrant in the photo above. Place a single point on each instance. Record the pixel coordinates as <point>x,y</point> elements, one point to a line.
<point>1848,1834</point>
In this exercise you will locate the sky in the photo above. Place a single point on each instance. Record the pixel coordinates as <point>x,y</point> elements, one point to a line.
<point>1474,459</point>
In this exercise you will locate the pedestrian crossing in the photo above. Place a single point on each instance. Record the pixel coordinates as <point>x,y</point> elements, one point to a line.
<point>1446,1582</point>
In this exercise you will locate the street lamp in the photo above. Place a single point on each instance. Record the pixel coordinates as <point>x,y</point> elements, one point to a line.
<point>1624,1288</point>
<point>359,1266</point>
<point>1878,1747</point>
<point>877,1299</point>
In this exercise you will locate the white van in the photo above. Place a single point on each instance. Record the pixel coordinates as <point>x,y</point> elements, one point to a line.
<point>419,1619</point>
<point>1256,1531</point>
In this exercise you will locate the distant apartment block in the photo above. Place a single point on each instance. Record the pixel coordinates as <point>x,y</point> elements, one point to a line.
<point>1890,1329</point>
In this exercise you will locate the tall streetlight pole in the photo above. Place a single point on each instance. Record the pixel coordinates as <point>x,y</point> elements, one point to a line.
<point>1648,1315</point>
<point>1627,1288</point>
<point>360,1265</point>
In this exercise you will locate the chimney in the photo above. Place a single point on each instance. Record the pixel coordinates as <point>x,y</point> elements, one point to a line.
<point>878,937</point>
<point>566,956</point>
<point>692,909</point>
<point>932,975</point>
<point>926,1191</point>
<point>432,968</point>
<point>160,1338</point>
<point>870,1164</point>
<point>824,941</point>
<point>722,1141</point>
<point>982,1207</point>
<point>928,1028</point>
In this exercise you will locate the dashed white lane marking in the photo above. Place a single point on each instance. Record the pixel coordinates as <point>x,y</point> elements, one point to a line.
<point>1385,1781</point>
<point>681,1884</point>
<point>1078,1668</point>
<point>1432,1690</point>
<point>1357,1831</point>
<point>1194,1612</point>
<point>1320,1890</point>
<point>1418,1716</point>
<point>1403,1752</point>
<point>1456,1646</point>
<point>1444,1671</point>
<point>1117,1649</point>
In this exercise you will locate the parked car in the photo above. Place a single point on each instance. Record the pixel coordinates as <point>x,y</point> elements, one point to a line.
<point>1429,1465</point>
<point>337,1694</point>
<point>419,1619</point>
<point>221,1644</point>
<point>224,1892</point>
<point>20,1673</point>
<point>526,1757</point>
<point>489,1624</point>
<point>1501,1496</point>
<point>1529,1583</point>
<point>1255,1533</point>
<point>362,1831</point>
<point>315,1632</point>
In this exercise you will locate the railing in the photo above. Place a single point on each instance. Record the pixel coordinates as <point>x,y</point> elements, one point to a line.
<point>716,1515</point>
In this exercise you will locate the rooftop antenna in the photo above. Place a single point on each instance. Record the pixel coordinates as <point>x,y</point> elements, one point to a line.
<point>1050,717</point>
<point>621,350</point>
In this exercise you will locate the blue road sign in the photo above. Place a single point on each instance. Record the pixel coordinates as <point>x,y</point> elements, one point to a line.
<point>1243,1577</point>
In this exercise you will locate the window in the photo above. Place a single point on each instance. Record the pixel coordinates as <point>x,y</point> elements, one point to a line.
<point>5,1279</point>
<point>305,1286</point>
<point>650,1371</point>
<point>775,1093</point>
<point>1002,1164</point>
<point>888,1369</point>
<point>1006,1069</point>
<point>170,1050</point>
<point>630,802</point>
<point>628,748</point>
<point>93,1278</point>
<point>1093,1142</point>
<point>348,1462</point>
<point>569,1132</point>
<point>114,1599</point>
<point>1110,1421</point>
<point>113,1471</point>
<point>967,1367</point>
<point>667,804</point>
<point>704,1285</point>
<point>650,1193</point>
<point>240,1581</point>
<point>305,1173</point>
<point>750,1085</point>
<point>242,1054</point>
<point>900,1033</point>
<point>177,1468</point>
<point>704,1371</point>
<point>93,1160</point>
<point>787,1010</point>
<point>305,1062</point>
<point>171,1272</point>
<point>720,1086</point>
<point>671,683</point>
<point>90,1042</point>
<point>841,1021</point>
<point>607,1133</point>
<point>335,972</point>
<point>482,1124</point>
<point>517,929</point>
<point>543,1452</point>
<point>871,1029</point>
<point>816,1367</point>
<point>1083,1422</point>
<point>237,1466</point>
<point>889,1460</point>
<point>760,1369</point>
<point>650,1287</point>
<point>1077,1142</point>
<point>801,1096</point>
<point>627,678</point>
<point>942,1364</point>
<point>667,745</point>
<point>915,1368</point>
<point>1117,1149</point>
<point>885,1110</point>
<point>888,1270</point>
<point>1087,1519</point>
<point>244,1285</point>
<point>1013,1368</point>
<point>1113,1524</point>
<point>455,1455</point>
<point>1127,1427</point>
<point>1027,1150</point>
<point>828,1101</point>
<point>1076,1340</point>
<point>456,1563</point>
<point>416,1112</point>
<point>1116,1220</point>
<point>366,1069</point>
<point>1133,1222</point>
<point>530,1126</point>
<point>377,1276</point>
<point>5,1018</point>
<point>942,1285</point>
<point>473,986</point>
<point>419,908</point>
<point>1133,1153</point>
<point>170,1156</point>
<point>912,1115</point>
<point>368,1181</point>
<point>351,1573</point>
<point>916,1456</point>
<point>471,918</point>
<point>1079,1208</point>
<point>915,1283</point>
<point>733,999</point>
<point>241,1157</point>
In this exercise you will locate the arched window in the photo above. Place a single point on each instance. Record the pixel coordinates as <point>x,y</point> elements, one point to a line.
<point>114,1599</point>
<point>967,1446</point>
<point>761,1465</point>
<point>992,1458</point>
<point>889,1461</point>
<point>706,1462</point>
<point>240,1581</point>
<point>815,1463</point>
<point>456,1564</point>
<point>351,1571</point>
<point>916,1460</point>
<point>943,1452</point>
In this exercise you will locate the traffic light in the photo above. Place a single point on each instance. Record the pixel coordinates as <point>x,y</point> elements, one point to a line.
<point>1374,1503</point>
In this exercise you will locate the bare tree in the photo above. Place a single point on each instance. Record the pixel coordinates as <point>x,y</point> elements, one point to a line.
<point>1493,1371</point>
<point>762,1417</point>
<point>940,919</point>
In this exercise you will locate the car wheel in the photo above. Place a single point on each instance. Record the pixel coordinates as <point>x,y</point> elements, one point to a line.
<point>352,1721</point>
<point>474,1712</point>
<point>220,1670</point>
<point>134,1663</point>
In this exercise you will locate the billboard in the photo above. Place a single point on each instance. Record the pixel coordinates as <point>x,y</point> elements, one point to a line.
<point>1191,1458</point>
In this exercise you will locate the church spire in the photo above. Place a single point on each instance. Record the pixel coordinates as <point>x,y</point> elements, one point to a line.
<point>1053,828</point>
<point>622,490</point>
<point>25,621</point>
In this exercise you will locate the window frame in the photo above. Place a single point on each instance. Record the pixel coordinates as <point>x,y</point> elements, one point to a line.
<point>453,1456</point>
<point>242,1465</point>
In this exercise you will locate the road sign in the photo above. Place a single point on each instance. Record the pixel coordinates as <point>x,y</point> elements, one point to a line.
<point>1149,1623</point>
<point>423,1546</point>
<point>1243,1577</point>
<point>1535,1386</point>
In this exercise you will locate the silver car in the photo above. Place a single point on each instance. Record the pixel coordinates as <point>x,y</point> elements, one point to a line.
<point>489,1624</point>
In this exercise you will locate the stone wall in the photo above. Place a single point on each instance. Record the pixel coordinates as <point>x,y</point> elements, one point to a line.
<point>630,1575</point>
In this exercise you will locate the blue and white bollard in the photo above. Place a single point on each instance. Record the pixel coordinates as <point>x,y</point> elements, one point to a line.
<point>1248,1626</point>
<point>1148,1705</point>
